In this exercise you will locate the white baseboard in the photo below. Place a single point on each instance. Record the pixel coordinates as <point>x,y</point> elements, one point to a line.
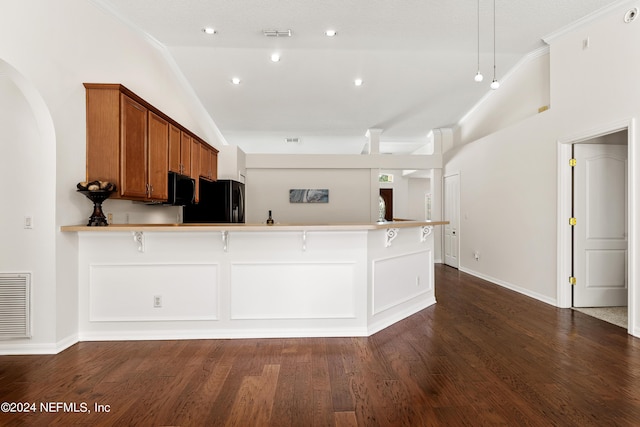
<point>511,286</point>
<point>67,342</point>
<point>8,348</point>
<point>27,349</point>
<point>220,334</point>
<point>377,326</point>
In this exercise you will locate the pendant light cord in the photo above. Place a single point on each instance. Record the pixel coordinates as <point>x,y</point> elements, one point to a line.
<point>495,84</point>
<point>478,35</point>
<point>478,77</point>
<point>494,39</point>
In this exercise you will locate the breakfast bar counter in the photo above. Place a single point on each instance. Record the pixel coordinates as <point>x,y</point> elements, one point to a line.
<point>180,227</point>
<point>188,281</point>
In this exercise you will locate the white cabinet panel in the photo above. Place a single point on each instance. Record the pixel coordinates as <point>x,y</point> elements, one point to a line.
<point>129,292</point>
<point>293,291</point>
<point>264,283</point>
<point>400,279</point>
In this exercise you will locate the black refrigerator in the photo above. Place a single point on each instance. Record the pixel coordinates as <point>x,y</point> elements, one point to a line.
<point>220,201</point>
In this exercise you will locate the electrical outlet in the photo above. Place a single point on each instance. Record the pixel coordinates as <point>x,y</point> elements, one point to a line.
<point>28,222</point>
<point>109,217</point>
<point>476,255</point>
<point>157,301</point>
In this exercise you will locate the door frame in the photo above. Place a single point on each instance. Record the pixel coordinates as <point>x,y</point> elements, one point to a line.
<point>387,196</point>
<point>564,240</point>
<point>444,209</point>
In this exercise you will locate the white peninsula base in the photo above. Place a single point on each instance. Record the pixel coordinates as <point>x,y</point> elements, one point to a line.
<point>242,281</point>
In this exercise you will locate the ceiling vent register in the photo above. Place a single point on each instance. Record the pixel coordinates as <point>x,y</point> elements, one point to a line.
<point>277,33</point>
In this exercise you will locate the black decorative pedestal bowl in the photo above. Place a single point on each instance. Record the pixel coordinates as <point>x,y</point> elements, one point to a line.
<point>97,197</point>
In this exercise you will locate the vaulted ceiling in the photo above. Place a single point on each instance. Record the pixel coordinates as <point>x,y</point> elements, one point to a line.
<point>417,60</point>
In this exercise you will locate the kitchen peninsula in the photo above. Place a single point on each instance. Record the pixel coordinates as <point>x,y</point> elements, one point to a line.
<point>188,281</point>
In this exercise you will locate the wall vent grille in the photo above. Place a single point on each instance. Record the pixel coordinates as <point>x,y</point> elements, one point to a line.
<point>15,307</point>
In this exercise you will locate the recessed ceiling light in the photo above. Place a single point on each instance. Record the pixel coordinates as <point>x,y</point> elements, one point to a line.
<point>235,80</point>
<point>358,82</point>
<point>275,57</point>
<point>209,30</point>
<point>330,33</point>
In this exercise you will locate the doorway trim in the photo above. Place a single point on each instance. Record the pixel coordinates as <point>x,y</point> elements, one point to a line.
<point>444,209</point>
<point>564,213</point>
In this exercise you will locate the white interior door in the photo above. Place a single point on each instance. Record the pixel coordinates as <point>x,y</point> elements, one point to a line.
<point>451,214</point>
<point>600,233</point>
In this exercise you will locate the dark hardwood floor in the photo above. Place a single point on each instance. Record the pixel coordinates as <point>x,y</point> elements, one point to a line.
<point>482,355</point>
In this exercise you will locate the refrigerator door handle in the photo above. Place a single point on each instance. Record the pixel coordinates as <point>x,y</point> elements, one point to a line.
<point>240,205</point>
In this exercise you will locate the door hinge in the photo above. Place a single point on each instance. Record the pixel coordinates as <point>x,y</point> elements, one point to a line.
<point>572,280</point>
<point>572,221</point>
<point>572,162</point>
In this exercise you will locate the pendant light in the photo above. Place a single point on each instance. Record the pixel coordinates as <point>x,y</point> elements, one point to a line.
<point>478,76</point>
<point>495,84</point>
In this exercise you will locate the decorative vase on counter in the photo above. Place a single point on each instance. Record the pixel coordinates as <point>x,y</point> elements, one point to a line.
<point>97,192</point>
<point>382,210</point>
<point>270,219</point>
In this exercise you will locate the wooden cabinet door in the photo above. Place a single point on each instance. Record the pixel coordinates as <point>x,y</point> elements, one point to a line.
<point>208,162</point>
<point>158,158</point>
<point>133,140</point>
<point>174,149</point>
<point>205,162</point>
<point>214,165</point>
<point>185,153</point>
<point>103,135</point>
<point>195,165</point>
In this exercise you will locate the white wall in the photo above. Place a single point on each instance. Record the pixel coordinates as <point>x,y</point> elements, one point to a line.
<point>523,91</point>
<point>408,194</point>
<point>53,47</point>
<point>351,191</point>
<point>349,195</point>
<point>508,178</point>
<point>27,171</point>
<point>508,207</point>
<point>591,91</point>
<point>418,190</point>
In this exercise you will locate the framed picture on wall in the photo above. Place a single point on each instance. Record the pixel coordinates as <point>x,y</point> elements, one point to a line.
<point>307,195</point>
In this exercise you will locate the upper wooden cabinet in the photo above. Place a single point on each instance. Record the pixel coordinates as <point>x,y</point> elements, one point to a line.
<point>175,153</point>
<point>158,158</point>
<point>180,147</point>
<point>134,145</point>
<point>208,163</point>
<point>103,135</point>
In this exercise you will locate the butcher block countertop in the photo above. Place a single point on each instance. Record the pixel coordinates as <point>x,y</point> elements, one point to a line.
<point>253,227</point>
